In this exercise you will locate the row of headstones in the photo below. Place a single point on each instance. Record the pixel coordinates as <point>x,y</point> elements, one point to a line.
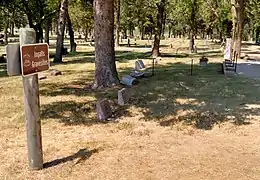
<point>104,111</point>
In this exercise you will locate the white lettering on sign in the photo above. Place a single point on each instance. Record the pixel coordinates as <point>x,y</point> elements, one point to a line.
<point>40,63</point>
<point>39,54</point>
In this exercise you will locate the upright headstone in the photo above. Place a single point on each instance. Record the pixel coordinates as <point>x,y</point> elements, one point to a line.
<point>227,52</point>
<point>13,59</point>
<point>123,96</point>
<point>32,108</point>
<point>139,65</point>
<point>104,110</point>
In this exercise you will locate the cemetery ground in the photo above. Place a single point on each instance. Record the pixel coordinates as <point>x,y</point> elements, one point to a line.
<point>175,126</point>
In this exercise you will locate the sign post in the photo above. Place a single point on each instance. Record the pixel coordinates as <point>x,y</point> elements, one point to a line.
<point>31,96</point>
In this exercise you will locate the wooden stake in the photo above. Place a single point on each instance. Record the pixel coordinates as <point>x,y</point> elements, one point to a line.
<point>32,109</point>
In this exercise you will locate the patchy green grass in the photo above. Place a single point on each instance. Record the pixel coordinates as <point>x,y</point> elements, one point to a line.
<point>171,90</point>
<point>139,137</point>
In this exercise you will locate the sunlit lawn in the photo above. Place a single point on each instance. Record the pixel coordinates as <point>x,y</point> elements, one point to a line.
<point>171,97</point>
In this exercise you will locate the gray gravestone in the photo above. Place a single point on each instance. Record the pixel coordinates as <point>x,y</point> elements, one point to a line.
<point>54,72</point>
<point>128,80</point>
<point>41,77</point>
<point>228,52</point>
<point>13,59</point>
<point>139,65</point>
<point>123,96</point>
<point>104,110</point>
<point>137,74</point>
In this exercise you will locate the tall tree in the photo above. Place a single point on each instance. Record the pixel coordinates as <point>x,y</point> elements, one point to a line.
<point>238,11</point>
<point>117,22</point>
<point>71,33</point>
<point>61,27</point>
<point>81,16</point>
<point>47,30</point>
<point>158,29</point>
<point>194,9</point>
<point>105,67</point>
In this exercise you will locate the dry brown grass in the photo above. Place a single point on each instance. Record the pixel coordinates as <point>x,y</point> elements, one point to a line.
<point>159,135</point>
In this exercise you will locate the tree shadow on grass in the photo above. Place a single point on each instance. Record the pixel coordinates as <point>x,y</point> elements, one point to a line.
<point>205,99</point>
<point>69,112</point>
<point>72,112</point>
<point>81,155</point>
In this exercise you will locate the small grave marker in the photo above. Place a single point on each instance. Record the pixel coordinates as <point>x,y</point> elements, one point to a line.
<point>137,74</point>
<point>54,72</point>
<point>13,59</point>
<point>139,65</point>
<point>104,110</point>
<point>128,80</point>
<point>123,96</point>
<point>41,77</point>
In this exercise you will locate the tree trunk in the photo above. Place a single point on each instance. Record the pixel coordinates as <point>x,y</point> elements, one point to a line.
<point>163,25</point>
<point>238,10</point>
<point>191,44</point>
<point>51,29</point>
<point>6,34</point>
<point>60,32</point>
<point>105,66</point>
<point>73,45</point>
<point>12,29</point>
<point>47,32</point>
<point>158,30</point>
<point>192,25</point>
<point>39,32</point>
<point>124,34</point>
<point>170,30</point>
<point>142,31</point>
<point>257,35</point>
<point>117,22</point>
<point>86,35</point>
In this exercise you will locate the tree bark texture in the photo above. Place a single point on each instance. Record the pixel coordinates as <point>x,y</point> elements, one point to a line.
<point>47,32</point>
<point>142,31</point>
<point>105,67</point>
<point>170,31</point>
<point>86,35</point>
<point>117,22</point>
<point>60,32</point>
<point>158,29</point>
<point>192,26</point>
<point>257,35</point>
<point>71,33</point>
<point>238,11</point>
<point>6,34</point>
<point>12,29</point>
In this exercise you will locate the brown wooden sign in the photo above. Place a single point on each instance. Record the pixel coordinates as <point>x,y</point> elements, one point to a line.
<point>34,58</point>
